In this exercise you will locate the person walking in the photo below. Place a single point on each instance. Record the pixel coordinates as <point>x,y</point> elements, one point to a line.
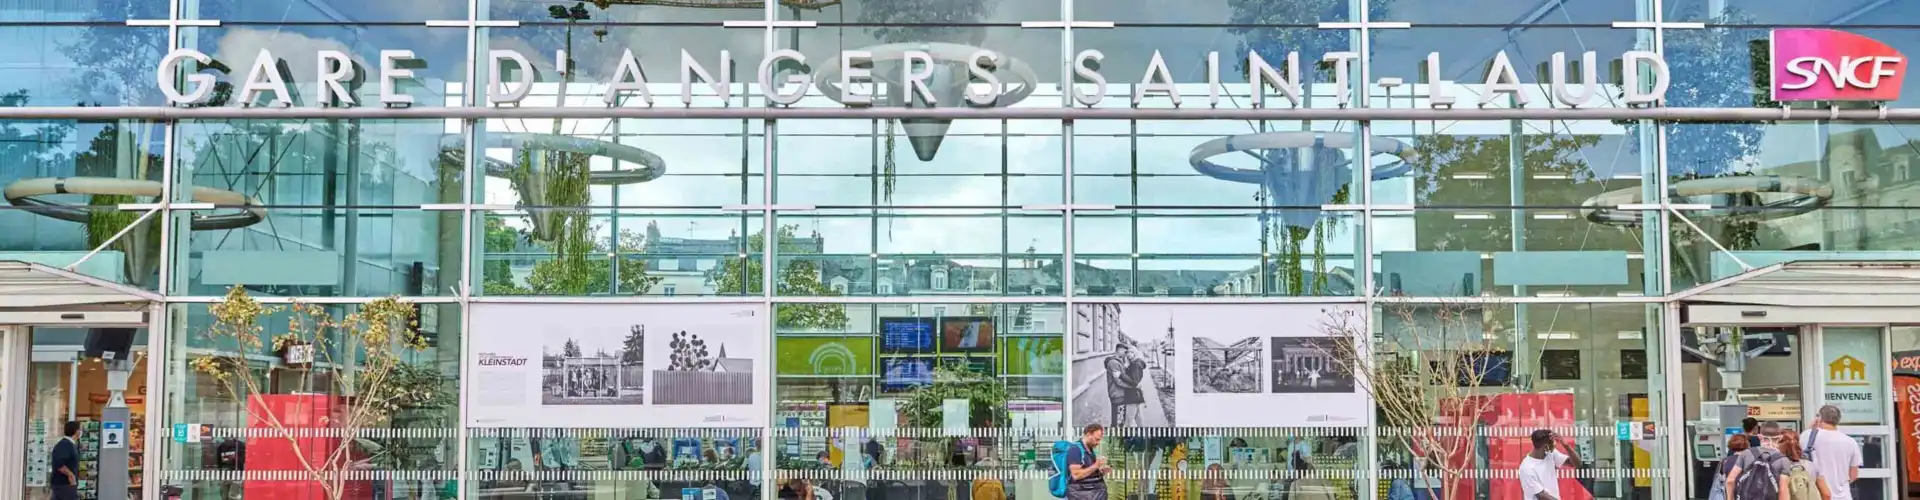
<point>1539,471</point>
<point>1087,471</point>
<point>65,460</point>
<point>1124,371</point>
<point>1835,455</point>
<point>1799,480</point>
<point>1736,445</point>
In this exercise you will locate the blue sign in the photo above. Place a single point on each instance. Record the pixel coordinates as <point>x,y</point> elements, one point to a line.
<point>113,435</point>
<point>1623,431</point>
<point>179,433</point>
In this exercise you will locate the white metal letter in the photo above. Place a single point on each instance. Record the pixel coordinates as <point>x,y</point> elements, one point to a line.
<point>1340,87</point>
<point>1213,79</point>
<point>916,81</point>
<point>1260,75</point>
<point>497,87</point>
<point>390,71</point>
<point>265,77</point>
<point>1501,79</point>
<point>1437,94</point>
<point>627,77</point>
<point>771,91</point>
<point>1156,70</point>
<point>690,68</point>
<point>1085,71</point>
<point>1656,89</point>
<point>335,68</point>
<point>849,73</point>
<point>984,72</point>
<point>202,83</point>
<point>1589,79</point>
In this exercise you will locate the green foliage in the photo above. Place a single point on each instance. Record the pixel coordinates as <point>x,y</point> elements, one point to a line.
<point>1438,158</point>
<point>986,399</point>
<point>799,277</point>
<point>554,276</point>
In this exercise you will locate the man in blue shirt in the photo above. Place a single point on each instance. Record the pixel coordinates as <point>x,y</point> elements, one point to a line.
<point>1087,471</point>
<point>65,478</point>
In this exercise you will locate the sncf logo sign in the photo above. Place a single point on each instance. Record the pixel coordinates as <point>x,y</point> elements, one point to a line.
<point>1829,65</point>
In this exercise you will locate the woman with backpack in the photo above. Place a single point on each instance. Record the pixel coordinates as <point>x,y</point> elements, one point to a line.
<point>1797,481</point>
<point>1735,446</point>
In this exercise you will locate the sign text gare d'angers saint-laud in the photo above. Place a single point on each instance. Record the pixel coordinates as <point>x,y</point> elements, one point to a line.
<point>1807,65</point>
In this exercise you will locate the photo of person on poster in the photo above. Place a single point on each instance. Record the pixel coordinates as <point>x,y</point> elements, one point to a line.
<point>1125,370</point>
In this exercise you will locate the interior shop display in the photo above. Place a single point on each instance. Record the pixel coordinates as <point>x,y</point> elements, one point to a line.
<point>618,365</point>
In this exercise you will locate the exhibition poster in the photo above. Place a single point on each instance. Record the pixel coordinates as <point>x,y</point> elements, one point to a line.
<point>617,365</point>
<point>1220,365</point>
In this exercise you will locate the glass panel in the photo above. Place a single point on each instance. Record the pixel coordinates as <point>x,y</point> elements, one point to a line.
<point>628,163</point>
<point>1579,370</point>
<point>64,183</point>
<point>921,252</point>
<point>666,253</point>
<point>1219,12</point>
<point>1519,14</point>
<point>328,252</point>
<point>1216,252</point>
<point>947,20</point>
<point>66,62</point>
<point>860,163</point>
<point>534,12</point>
<point>318,163</point>
<point>247,449</point>
<point>894,392</point>
<point>1787,12</point>
<point>1774,193</point>
<point>231,12</point>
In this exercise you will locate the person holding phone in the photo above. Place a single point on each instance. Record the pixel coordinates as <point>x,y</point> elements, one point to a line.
<point>1087,471</point>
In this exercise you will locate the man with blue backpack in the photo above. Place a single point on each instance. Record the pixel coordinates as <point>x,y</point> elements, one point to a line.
<point>1079,473</point>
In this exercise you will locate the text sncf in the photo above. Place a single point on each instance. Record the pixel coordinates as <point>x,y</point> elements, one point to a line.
<point>1848,73</point>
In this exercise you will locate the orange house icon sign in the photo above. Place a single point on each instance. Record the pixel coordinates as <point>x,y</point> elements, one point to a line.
<point>1847,370</point>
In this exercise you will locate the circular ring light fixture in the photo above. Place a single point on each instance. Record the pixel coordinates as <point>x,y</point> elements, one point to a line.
<point>650,165</point>
<point>1810,195</point>
<point>1201,157</point>
<point>28,193</point>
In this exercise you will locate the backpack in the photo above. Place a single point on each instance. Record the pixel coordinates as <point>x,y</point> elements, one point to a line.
<point>1758,480</point>
<point>1057,482</point>
<point>1800,483</point>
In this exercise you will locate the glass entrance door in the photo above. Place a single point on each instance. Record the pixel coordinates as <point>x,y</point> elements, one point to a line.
<point>62,385</point>
<point>1852,373</point>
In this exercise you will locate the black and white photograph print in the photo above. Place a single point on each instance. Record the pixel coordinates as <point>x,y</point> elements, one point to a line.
<point>1226,368</point>
<point>1306,365</point>
<point>1122,361</point>
<point>594,367</point>
<point>618,365</point>
<point>699,372</point>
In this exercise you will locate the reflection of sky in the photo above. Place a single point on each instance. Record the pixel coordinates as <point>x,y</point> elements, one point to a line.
<point>818,157</point>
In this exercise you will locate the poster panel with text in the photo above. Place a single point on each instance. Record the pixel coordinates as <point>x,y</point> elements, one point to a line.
<point>617,365</point>
<point>1852,368</point>
<point>1213,365</point>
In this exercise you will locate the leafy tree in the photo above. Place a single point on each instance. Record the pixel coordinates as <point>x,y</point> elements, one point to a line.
<point>1441,157</point>
<point>635,346</point>
<point>574,274</point>
<point>571,350</point>
<point>689,353</point>
<point>798,277</point>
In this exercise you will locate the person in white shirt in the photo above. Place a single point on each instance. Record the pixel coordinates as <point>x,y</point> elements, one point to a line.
<point>1836,456</point>
<point>1539,477</point>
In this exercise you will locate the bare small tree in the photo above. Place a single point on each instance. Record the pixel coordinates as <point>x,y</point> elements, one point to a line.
<point>1426,372</point>
<point>359,358</point>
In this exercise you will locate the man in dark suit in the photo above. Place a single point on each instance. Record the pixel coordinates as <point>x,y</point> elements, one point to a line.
<point>65,479</point>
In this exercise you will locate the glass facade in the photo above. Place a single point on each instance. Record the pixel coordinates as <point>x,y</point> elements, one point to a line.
<point>1547,238</point>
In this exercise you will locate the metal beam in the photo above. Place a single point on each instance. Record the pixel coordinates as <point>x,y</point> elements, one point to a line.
<point>1194,113</point>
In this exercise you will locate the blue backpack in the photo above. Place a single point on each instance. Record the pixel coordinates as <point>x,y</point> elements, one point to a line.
<point>1057,483</point>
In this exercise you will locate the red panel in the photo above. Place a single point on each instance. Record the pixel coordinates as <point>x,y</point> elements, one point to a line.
<point>286,433</point>
<point>1507,420</point>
